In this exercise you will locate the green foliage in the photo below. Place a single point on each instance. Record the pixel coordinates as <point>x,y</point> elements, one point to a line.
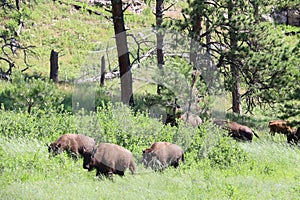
<point>43,124</point>
<point>30,93</point>
<point>264,169</point>
<point>212,162</point>
<point>226,154</point>
<point>272,69</point>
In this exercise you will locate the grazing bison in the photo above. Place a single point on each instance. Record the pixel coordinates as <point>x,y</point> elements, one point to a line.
<point>72,143</point>
<point>293,137</point>
<point>236,130</point>
<point>194,120</point>
<point>163,154</point>
<point>109,159</point>
<point>280,126</point>
<point>156,145</point>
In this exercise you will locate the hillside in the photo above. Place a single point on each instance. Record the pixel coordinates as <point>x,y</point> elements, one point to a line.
<point>220,162</point>
<point>68,30</point>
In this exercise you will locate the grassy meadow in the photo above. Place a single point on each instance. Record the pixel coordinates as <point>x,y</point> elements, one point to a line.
<point>216,167</point>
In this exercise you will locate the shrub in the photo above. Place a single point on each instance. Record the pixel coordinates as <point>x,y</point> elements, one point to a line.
<point>29,93</point>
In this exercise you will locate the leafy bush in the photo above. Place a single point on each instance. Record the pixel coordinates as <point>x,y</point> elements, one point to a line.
<point>30,93</point>
<point>227,154</point>
<point>209,142</point>
<point>120,125</point>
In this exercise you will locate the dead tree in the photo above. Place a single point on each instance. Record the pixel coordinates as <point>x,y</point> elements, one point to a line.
<point>54,66</point>
<point>123,53</point>
<point>159,39</point>
<point>102,78</point>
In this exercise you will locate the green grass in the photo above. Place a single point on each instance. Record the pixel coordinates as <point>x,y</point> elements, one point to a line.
<point>272,172</point>
<point>270,169</point>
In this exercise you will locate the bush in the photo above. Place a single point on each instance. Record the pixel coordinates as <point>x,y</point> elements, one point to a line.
<point>27,94</point>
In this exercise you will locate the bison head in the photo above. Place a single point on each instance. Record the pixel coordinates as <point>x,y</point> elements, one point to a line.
<point>88,159</point>
<point>148,157</point>
<point>54,148</point>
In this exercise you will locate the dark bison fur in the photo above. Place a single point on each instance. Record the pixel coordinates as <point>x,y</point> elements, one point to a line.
<point>109,159</point>
<point>293,137</point>
<point>236,130</point>
<point>161,155</point>
<point>188,118</point>
<point>72,143</point>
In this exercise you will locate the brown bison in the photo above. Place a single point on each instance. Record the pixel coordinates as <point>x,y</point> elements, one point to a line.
<point>293,137</point>
<point>72,143</point>
<point>236,130</point>
<point>189,118</point>
<point>155,146</point>
<point>280,126</point>
<point>162,154</point>
<point>192,119</point>
<point>109,159</point>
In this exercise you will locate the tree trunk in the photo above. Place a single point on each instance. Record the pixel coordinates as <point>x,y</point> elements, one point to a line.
<point>102,78</point>
<point>195,41</point>
<point>234,69</point>
<point>194,48</point>
<point>123,54</point>
<point>159,39</point>
<point>54,66</point>
<point>236,87</point>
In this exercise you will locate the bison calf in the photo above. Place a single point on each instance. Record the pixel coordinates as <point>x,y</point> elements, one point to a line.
<point>280,126</point>
<point>109,159</point>
<point>72,143</point>
<point>163,154</point>
<point>236,130</point>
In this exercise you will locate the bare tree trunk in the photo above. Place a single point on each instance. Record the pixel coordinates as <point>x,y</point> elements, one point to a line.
<point>236,87</point>
<point>194,48</point>
<point>208,37</point>
<point>123,54</point>
<point>236,84</point>
<point>54,66</point>
<point>102,78</point>
<point>196,30</point>
<point>159,39</point>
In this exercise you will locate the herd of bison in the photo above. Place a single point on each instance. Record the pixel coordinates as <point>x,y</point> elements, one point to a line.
<point>109,159</point>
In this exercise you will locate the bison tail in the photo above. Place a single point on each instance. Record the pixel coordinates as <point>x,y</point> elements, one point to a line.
<point>255,134</point>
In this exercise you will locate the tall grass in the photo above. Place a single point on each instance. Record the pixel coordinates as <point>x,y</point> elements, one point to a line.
<point>215,168</point>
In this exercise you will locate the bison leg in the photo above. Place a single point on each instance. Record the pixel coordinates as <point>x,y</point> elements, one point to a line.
<point>175,164</point>
<point>292,139</point>
<point>110,173</point>
<point>121,173</point>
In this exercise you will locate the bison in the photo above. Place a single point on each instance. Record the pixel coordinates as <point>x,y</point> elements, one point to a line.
<point>189,118</point>
<point>161,155</point>
<point>72,143</point>
<point>155,146</point>
<point>293,137</point>
<point>280,126</point>
<point>236,130</point>
<point>192,119</point>
<point>109,159</point>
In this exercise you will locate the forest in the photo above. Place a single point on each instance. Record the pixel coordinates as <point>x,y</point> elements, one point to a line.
<point>218,78</point>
